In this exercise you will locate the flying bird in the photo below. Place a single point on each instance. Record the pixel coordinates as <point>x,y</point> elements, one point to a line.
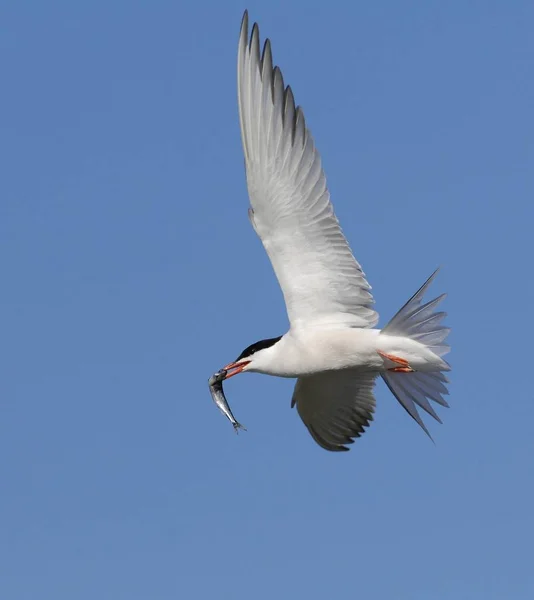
<point>333,347</point>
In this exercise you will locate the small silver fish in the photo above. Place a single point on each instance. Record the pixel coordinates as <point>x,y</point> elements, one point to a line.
<point>217,393</point>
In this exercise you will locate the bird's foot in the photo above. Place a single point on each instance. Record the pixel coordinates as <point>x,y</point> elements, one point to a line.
<point>404,366</point>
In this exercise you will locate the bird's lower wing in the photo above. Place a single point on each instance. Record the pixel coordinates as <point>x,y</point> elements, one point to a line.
<point>335,406</point>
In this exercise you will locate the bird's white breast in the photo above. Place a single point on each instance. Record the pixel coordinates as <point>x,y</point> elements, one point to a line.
<point>306,351</point>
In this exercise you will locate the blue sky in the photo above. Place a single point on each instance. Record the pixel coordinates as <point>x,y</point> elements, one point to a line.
<point>123,203</point>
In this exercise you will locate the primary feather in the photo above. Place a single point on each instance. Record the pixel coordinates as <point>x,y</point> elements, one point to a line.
<point>291,210</point>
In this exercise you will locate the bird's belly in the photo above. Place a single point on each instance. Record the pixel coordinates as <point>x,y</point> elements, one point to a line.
<point>332,350</point>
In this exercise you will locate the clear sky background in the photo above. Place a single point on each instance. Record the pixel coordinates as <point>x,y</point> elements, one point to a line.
<point>130,273</point>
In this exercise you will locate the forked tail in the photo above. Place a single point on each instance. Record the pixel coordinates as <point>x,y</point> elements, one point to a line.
<point>421,323</point>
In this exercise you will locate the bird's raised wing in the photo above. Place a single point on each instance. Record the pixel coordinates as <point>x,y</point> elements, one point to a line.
<point>291,211</point>
<point>335,406</point>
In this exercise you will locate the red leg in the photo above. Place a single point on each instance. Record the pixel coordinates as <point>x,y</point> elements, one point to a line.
<point>404,366</point>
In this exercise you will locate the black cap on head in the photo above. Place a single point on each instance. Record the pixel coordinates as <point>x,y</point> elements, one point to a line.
<point>261,345</point>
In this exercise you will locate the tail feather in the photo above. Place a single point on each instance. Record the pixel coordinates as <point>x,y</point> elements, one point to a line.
<point>406,400</point>
<point>420,322</point>
<point>434,339</point>
<point>430,384</point>
<point>427,325</point>
<point>413,302</point>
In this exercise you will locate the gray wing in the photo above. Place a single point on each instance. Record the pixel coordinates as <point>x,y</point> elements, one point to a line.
<point>335,406</point>
<point>291,210</point>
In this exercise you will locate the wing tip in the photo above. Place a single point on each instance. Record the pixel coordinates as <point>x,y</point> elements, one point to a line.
<point>292,115</point>
<point>288,110</point>
<point>266,54</point>
<point>243,32</point>
<point>254,37</point>
<point>325,444</point>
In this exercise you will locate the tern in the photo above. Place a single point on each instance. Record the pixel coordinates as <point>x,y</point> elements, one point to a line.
<point>332,347</point>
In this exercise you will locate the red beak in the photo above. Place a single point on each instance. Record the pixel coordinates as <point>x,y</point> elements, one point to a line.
<point>235,368</point>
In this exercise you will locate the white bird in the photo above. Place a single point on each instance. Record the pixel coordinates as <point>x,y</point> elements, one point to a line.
<point>332,346</point>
